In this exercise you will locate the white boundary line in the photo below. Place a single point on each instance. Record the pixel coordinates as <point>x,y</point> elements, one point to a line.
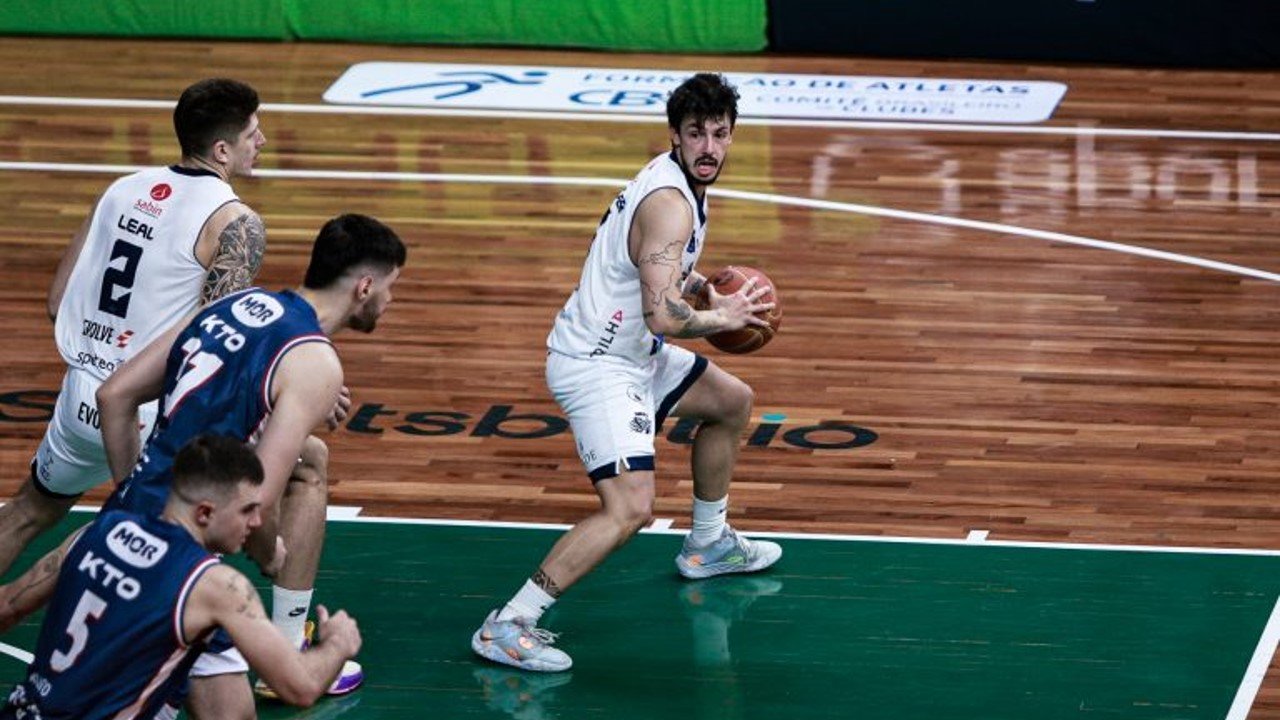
<point>334,109</point>
<point>662,526</point>
<point>17,653</point>
<point>1257,670</point>
<point>831,205</point>
<point>999,228</point>
<point>661,529</point>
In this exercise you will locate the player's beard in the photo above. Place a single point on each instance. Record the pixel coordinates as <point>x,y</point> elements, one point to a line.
<point>694,179</point>
<point>364,321</point>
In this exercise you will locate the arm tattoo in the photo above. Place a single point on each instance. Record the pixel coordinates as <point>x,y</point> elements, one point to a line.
<point>544,581</point>
<point>668,296</point>
<point>695,287</point>
<point>237,259</point>
<point>669,259</point>
<point>678,310</point>
<point>245,596</point>
<point>693,326</point>
<point>46,572</point>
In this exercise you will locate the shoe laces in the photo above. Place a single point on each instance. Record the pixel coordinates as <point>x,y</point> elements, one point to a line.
<point>747,547</point>
<point>542,635</point>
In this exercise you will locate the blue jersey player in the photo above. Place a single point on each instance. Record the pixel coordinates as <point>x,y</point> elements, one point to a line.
<point>133,598</point>
<point>217,379</point>
<point>257,366</point>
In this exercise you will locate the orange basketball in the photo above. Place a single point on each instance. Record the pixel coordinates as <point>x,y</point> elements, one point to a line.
<point>726,281</point>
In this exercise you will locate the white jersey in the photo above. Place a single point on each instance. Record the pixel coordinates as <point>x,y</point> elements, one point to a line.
<point>604,316</point>
<point>137,273</point>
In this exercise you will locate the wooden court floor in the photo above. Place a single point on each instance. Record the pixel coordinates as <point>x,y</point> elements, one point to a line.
<point>1029,387</point>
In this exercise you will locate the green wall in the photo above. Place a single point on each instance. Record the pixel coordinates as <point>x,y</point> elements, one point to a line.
<point>689,26</point>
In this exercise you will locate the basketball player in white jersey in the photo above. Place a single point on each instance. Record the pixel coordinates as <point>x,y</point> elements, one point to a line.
<point>616,379</point>
<point>158,243</point>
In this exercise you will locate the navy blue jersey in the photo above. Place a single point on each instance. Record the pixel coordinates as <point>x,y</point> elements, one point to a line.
<point>112,643</point>
<point>218,381</point>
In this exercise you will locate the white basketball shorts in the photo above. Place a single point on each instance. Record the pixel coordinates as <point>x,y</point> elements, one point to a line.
<point>227,662</point>
<point>70,459</point>
<point>616,407</point>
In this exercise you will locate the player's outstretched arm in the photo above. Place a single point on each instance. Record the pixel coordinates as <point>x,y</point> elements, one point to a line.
<point>659,232</point>
<point>139,381</point>
<point>32,590</point>
<point>231,247</point>
<point>225,598</point>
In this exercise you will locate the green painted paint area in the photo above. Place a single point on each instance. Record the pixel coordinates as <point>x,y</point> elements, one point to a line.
<point>867,630</point>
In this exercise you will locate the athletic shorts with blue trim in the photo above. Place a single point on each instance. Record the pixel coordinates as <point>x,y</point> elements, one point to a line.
<point>616,407</point>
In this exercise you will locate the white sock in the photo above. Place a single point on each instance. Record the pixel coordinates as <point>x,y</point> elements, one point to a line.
<point>289,610</point>
<point>708,520</point>
<point>529,603</point>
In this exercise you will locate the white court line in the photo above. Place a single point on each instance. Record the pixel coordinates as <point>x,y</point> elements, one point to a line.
<point>1001,229</point>
<point>333,109</point>
<point>831,205</point>
<point>18,653</point>
<point>353,514</point>
<point>342,512</point>
<point>1257,670</point>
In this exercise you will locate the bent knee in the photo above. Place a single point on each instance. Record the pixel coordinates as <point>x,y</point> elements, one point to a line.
<point>737,399</point>
<point>315,453</point>
<point>635,512</point>
<point>744,397</point>
<point>312,467</point>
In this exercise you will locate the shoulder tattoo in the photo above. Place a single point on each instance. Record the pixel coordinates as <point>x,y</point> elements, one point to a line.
<point>237,258</point>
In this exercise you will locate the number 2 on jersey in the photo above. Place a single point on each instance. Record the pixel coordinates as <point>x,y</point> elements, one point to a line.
<point>121,277</point>
<point>198,366</point>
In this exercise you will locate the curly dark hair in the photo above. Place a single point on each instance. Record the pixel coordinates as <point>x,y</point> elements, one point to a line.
<point>703,97</point>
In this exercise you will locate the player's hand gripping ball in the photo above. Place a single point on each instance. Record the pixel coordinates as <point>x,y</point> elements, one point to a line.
<point>726,281</point>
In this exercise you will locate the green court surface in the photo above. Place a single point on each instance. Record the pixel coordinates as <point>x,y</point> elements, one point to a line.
<point>872,630</point>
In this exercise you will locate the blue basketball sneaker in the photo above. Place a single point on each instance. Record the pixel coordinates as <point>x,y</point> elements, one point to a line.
<point>732,553</point>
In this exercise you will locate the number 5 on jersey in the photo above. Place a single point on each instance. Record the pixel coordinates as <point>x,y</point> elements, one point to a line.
<point>88,609</point>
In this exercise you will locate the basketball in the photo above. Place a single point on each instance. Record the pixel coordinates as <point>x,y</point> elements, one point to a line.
<point>726,281</point>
